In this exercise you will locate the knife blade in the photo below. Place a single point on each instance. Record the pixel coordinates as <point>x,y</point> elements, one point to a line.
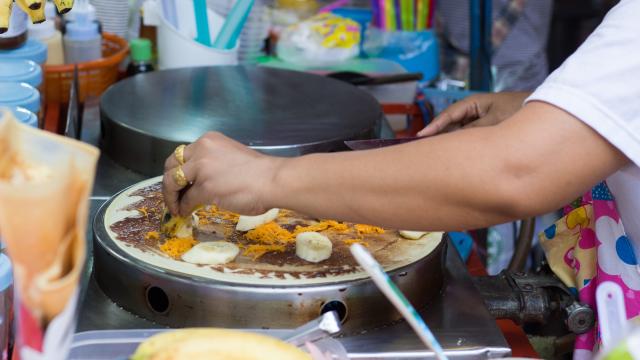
<point>378,143</point>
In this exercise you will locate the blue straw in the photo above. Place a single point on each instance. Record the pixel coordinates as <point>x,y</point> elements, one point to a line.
<point>230,32</point>
<point>202,22</point>
<point>169,11</point>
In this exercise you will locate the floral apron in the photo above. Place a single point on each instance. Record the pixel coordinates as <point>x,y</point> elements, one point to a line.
<point>589,246</point>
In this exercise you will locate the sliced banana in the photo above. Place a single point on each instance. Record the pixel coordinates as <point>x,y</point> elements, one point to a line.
<point>412,235</point>
<point>212,253</point>
<point>178,226</point>
<point>246,223</point>
<point>313,247</point>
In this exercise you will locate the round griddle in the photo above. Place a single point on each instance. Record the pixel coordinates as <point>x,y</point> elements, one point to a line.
<point>276,111</point>
<point>184,296</point>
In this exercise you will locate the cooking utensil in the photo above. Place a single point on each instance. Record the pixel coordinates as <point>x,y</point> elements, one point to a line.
<point>327,324</point>
<point>391,291</point>
<point>378,143</point>
<point>360,79</point>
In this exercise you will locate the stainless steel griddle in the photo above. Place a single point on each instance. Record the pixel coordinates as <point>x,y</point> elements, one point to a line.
<point>457,316</point>
<point>275,111</point>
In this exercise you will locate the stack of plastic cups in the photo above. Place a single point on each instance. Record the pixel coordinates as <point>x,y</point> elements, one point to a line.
<point>19,80</point>
<point>113,15</point>
<point>254,33</point>
<point>23,94</point>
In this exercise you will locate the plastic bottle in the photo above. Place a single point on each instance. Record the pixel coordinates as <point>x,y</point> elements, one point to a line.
<point>140,57</point>
<point>16,35</point>
<point>82,41</point>
<point>47,33</point>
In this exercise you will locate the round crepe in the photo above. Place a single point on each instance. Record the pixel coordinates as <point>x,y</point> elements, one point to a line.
<point>390,249</point>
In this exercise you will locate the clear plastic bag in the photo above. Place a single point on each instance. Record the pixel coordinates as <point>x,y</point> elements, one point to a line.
<point>324,39</point>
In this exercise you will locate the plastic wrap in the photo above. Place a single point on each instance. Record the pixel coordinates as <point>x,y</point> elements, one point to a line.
<point>45,181</point>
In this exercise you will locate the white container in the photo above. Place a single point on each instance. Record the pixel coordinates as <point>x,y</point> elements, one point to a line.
<point>82,41</point>
<point>177,47</point>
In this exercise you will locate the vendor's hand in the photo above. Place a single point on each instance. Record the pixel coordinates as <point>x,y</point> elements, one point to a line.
<point>476,110</point>
<point>220,171</point>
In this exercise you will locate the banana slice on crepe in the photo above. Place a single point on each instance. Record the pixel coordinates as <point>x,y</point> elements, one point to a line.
<point>246,223</point>
<point>177,226</point>
<point>212,253</point>
<point>412,235</point>
<point>313,247</point>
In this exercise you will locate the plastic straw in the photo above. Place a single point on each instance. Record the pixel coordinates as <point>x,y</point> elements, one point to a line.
<point>202,22</point>
<point>390,15</point>
<point>375,13</point>
<point>422,14</point>
<point>334,5</point>
<point>169,11</point>
<point>391,291</point>
<point>383,15</point>
<point>407,14</point>
<point>432,13</point>
<point>230,32</point>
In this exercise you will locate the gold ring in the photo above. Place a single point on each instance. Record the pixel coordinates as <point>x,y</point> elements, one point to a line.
<point>179,153</point>
<point>180,178</point>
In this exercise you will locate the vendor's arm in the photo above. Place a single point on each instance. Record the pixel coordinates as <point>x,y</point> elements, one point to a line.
<point>538,160</point>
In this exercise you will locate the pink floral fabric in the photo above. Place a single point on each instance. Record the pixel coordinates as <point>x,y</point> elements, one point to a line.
<point>589,246</point>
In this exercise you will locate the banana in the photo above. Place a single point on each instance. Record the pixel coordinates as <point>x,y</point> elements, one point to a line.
<point>64,6</point>
<point>34,4</point>
<point>177,226</point>
<point>412,235</point>
<point>34,8</point>
<point>212,253</point>
<point>5,15</point>
<point>313,247</point>
<point>246,223</point>
<point>221,344</point>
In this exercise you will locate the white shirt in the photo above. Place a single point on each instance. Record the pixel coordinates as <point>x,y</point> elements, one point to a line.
<point>600,85</point>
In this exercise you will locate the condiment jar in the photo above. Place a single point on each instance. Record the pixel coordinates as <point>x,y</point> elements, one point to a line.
<point>20,94</point>
<point>20,71</point>
<point>16,34</point>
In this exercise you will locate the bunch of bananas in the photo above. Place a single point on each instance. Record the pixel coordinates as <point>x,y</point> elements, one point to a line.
<point>34,8</point>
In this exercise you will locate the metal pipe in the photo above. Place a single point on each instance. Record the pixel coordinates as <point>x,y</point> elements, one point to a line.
<point>481,18</point>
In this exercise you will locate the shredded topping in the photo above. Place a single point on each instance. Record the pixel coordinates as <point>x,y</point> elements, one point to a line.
<point>363,229</point>
<point>350,242</point>
<point>270,233</point>
<point>322,226</point>
<point>175,247</point>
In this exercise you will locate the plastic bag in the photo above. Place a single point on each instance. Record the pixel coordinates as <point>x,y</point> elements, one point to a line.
<point>324,39</point>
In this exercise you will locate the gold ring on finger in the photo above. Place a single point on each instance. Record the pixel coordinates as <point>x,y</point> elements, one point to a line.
<point>179,154</point>
<point>179,177</point>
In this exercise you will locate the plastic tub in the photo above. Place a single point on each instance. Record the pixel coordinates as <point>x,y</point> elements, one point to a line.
<point>416,51</point>
<point>32,50</point>
<point>21,95</point>
<point>25,71</point>
<point>25,116</point>
<point>121,344</point>
<point>176,48</point>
